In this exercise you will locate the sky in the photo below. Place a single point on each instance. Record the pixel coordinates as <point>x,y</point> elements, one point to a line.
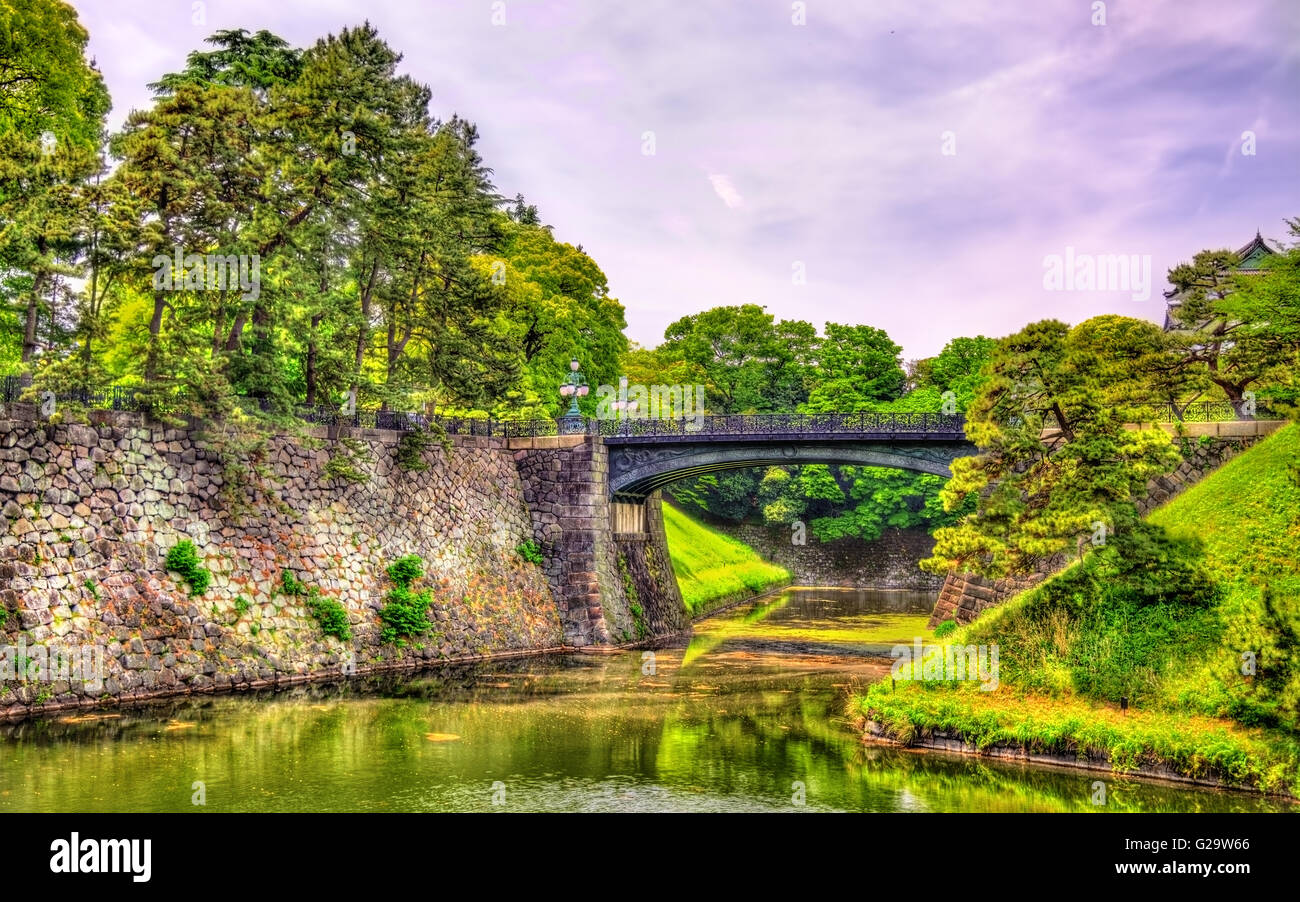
<point>911,165</point>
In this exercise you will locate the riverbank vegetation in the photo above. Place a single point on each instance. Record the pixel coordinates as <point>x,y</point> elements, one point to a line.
<point>711,568</point>
<point>1190,622</point>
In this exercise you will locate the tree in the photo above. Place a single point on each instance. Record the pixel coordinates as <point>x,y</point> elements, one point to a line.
<point>1267,308</point>
<point>1055,457</point>
<point>52,108</point>
<point>558,308</point>
<point>750,363</point>
<point>1216,336</point>
<point>858,367</point>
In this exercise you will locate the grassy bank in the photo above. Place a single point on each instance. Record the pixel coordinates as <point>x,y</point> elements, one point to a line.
<point>711,568</point>
<point>1197,631</point>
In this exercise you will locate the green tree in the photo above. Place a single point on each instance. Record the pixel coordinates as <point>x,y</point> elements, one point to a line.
<point>858,367</point>
<point>52,108</point>
<point>1054,460</point>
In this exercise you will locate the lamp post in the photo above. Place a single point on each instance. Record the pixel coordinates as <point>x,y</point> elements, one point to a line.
<point>573,387</point>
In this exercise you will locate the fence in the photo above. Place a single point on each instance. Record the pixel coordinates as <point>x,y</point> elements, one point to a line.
<point>864,423</point>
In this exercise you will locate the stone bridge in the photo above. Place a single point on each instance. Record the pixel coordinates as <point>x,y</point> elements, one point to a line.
<point>646,455</point>
<point>593,490</point>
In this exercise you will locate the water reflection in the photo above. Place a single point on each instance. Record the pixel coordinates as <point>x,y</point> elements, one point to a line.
<point>743,717</point>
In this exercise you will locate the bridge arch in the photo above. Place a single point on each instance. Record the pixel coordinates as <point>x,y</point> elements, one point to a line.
<point>637,470</point>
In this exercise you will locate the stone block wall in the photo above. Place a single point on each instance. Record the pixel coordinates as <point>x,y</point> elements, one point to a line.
<point>886,563</point>
<point>88,513</point>
<point>964,596</point>
<point>646,573</point>
<point>565,485</point>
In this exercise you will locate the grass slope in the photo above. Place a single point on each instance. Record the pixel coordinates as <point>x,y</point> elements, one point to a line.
<point>712,568</point>
<point>1169,636</point>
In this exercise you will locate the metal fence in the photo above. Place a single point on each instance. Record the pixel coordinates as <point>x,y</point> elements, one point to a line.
<point>864,423</point>
<point>127,399</point>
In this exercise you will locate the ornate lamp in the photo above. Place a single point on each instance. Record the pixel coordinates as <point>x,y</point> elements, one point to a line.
<point>573,387</point>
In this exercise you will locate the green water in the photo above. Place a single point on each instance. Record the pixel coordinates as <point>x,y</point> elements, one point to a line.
<point>744,717</point>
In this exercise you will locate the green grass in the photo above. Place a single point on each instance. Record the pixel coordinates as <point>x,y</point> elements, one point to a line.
<point>712,568</point>
<point>1162,622</point>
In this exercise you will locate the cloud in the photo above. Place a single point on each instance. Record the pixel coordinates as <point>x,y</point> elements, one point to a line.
<point>724,189</point>
<point>1108,139</point>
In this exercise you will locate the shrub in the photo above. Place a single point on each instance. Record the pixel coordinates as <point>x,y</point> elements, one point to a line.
<point>945,628</point>
<point>346,460</point>
<point>184,559</point>
<point>290,584</point>
<point>410,450</point>
<point>530,552</point>
<point>406,570</point>
<point>407,612</point>
<point>332,617</point>
<point>406,615</point>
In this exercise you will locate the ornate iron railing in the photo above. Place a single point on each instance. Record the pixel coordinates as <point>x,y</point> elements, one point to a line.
<point>853,424</point>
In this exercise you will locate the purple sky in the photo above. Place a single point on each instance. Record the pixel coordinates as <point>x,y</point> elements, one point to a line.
<point>822,143</point>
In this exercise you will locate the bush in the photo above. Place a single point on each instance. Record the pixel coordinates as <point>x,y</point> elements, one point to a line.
<point>332,617</point>
<point>290,584</point>
<point>406,570</point>
<point>184,559</point>
<point>530,552</point>
<point>346,461</point>
<point>410,450</point>
<point>407,613</point>
<point>945,628</point>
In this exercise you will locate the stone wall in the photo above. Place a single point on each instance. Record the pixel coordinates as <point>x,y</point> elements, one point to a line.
<point>564,483</point>
<point>889,562</point>
<point>88,513</point>
<point>964,596</point>
<point>646,573</point>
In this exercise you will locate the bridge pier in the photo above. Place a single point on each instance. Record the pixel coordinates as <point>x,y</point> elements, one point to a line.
<point>607,562</point>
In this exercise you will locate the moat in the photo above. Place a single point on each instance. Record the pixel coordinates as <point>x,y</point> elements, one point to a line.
<point>745,716</point>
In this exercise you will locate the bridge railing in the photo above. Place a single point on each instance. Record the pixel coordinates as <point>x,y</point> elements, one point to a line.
<point>862,423</point>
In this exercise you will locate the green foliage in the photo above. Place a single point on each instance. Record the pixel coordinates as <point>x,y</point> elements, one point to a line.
<point>183,558</point>
<point>410,450</point>
<point>1056,458</point>
<point>242,605</point>
<point>331,615</point>
<point>406,614</point>
<point>90,587</point>
<point>946,628</point>
<point>328,612</point>
<point>290,585</point>
<point>405,570</point>
<point>530,551</point>
<point>1191,616</point>
<point>747,361</point>
<point>346,460</point>
<point>859,367</point>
